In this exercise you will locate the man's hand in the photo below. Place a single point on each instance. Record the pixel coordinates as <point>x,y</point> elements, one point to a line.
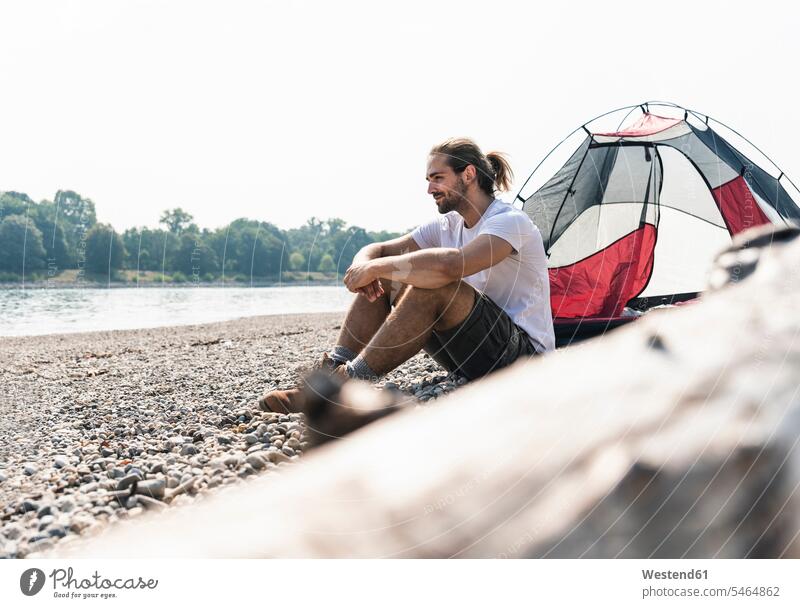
<point>373,291</point>
<point>360,276</point>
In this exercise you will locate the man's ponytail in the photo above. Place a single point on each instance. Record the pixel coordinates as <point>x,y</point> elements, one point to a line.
<point>503,175</point>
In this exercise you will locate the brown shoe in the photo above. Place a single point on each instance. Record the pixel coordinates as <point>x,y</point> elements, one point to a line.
<point>336,405</point>
<point>289,401</point>
<point>293,400</point>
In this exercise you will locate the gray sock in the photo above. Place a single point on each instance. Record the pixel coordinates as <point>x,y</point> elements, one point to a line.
<point>342,354</point>
<point>358,368</point>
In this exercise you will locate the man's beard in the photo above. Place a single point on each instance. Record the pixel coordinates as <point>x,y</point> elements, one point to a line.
<point>454,199</point>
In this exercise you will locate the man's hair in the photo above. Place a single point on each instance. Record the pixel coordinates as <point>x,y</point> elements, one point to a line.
<point>494,172</point>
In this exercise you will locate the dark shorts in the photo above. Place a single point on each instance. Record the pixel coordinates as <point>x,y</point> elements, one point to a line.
<point>485,341</point>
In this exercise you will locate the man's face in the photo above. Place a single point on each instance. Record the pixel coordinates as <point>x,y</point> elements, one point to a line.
<point>445,185</point>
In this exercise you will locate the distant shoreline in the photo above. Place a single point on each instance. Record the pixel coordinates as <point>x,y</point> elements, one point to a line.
<point>159,285</point>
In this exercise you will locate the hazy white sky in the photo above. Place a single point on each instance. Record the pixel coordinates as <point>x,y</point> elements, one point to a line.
<point>281,111</point>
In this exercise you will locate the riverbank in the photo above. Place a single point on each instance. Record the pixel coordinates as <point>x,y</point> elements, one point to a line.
<point>72,279</point>
<point>85,415</point>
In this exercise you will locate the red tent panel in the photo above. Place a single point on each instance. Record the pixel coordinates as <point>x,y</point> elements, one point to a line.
<point>648,124</point>
<point>738,206</point>
<point>601,285</point>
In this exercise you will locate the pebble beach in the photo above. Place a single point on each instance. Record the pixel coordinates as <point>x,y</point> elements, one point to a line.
<point>104,426</point>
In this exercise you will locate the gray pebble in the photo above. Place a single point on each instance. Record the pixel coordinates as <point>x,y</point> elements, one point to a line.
<point>152,487</point>
<point>60,462</point>
<point>12,531</point>
<point>45,521</point>
<point>66,504</point>
<point>251,438</point>
<point>276,457</point>
<point>27,506</point>
<point>129,480</point>
<point>256,461</point>
<point>30,468</point>
<point>232,461</point>
<point>57,532</point>
<point>188,450</point>
<point>173,442</point>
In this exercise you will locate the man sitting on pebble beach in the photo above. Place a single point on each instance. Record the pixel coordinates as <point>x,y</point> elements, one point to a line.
<point>470,287</point>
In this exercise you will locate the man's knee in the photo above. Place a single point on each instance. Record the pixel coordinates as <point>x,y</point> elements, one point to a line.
<point>446,294</point>
<point>393,290</point>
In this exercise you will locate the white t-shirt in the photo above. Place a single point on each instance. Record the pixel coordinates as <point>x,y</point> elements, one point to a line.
<point>519,284</point>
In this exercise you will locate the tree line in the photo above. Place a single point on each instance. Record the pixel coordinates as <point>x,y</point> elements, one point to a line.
<point>45,238</point>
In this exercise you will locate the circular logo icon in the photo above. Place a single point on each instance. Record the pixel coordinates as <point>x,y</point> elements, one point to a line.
<point>31,581</point>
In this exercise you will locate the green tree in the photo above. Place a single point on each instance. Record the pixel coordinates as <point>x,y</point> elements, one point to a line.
<point>251,248</point>
<point>75,209</point>
<point>327,264</point>
<point>105,249</point>
<point>346,244</point>
<point>54,237</point>
<point>21,249</point>
<point>194,257</point>
<point>76,215</point>
<point>310,240</point>
<point>14,203</point>
<point>385,235</point>
<point>176,220</point>
<point>297,261</point>
<point>150,249</point>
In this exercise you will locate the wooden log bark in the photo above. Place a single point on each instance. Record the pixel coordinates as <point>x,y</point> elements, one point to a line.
<point>674,437</point>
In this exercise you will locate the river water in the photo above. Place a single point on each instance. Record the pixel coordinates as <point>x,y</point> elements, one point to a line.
<point>28,312</point>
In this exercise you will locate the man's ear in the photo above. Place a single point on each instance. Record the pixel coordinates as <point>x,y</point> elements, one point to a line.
<point>470,173</point>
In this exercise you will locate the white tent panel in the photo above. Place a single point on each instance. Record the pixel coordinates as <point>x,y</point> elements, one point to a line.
<point>768,209</point>
<point>686,245</point>
<point>685,189</point>
<point>685,251</point>
<point>595,229</point>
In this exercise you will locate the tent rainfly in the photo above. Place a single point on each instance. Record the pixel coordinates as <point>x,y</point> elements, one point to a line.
<point>635,216</point>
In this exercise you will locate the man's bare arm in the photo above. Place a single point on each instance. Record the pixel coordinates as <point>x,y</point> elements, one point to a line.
<point>373,251</point>
<point>431,268</point>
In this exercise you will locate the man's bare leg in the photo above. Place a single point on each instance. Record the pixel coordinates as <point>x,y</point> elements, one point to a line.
<point>399,337</point>
<point>409,326</point>
<point>364,318</point>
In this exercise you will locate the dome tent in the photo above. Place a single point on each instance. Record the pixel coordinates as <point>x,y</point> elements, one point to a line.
<point>636,214</point>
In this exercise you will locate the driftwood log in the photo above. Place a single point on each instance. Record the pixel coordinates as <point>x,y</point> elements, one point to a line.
<point>674,437</point>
